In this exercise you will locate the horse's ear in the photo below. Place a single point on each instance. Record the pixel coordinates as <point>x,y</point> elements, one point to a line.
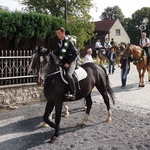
<point>128,44</point>
<point>38,49</point>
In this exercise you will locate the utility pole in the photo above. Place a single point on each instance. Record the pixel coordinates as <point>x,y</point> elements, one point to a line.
<point>65,13</point>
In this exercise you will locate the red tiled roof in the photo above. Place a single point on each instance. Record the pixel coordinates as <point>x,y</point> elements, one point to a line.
<point>104,25</point>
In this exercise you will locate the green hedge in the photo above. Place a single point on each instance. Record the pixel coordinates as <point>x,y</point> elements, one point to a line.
<point>26,30</point>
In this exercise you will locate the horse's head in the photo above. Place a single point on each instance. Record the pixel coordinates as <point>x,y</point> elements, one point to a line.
<point>39,64</point>
<point>128,50</point>
<point>41,61</point>
<point>116,47</point>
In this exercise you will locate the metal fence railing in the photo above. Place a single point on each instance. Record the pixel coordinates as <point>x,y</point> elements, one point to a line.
<point>13,67</point>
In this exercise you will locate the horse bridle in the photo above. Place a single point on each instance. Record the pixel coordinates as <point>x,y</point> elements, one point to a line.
<point>51,74</point>
<point>41,55</point>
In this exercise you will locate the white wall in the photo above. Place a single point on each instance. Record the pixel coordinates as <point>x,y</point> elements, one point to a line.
<point>123,36</point>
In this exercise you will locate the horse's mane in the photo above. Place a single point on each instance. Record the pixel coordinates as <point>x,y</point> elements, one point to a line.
<point>54,58</point>
<point>116,47</point>
<point>123,44</point>
<point>132,46</point>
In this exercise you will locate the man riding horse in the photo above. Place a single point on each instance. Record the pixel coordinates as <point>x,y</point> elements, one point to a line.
<point>145,44</point>
<point>67,54</point>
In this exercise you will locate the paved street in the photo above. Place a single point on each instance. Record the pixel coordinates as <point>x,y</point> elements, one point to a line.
<point>130,128</point>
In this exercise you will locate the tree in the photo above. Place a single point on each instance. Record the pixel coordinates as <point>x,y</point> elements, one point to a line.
<point>82,28</point>
<point>136,21</point>
<point>112,13</point>
<point>78,18</point>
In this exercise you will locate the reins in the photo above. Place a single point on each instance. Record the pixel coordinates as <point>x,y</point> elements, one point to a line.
<point>51,74</point>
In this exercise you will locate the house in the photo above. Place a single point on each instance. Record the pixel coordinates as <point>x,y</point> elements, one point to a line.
<point>111,28</point>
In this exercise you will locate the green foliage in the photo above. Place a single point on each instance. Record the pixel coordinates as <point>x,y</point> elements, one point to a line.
<point>82,29</point>
<point>24,26</point>
<point>6,23</point>
<point>57,7</point>
<point>112,13</point>
<point>78,18</point>
<point>134,23</point>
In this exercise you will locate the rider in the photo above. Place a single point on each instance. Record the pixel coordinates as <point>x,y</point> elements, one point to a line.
<point>67,53</point>
<point>145,44</point>
<point>107,46</point>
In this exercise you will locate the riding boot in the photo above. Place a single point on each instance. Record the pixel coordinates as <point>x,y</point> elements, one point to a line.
<point>72,86</point>
<point>149,61</point>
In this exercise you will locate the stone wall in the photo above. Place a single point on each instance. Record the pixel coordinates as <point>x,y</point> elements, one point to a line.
<point>20,94</point>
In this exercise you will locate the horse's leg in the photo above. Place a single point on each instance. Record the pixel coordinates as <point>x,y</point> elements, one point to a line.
<point>142,77</point>
<point>66,113</point>
<point>48,111</point>
<point>50,117</point>
<point>106,101</point>
<point>85,107</point>
<point>89,105</point>
<point>58,110</point>
<point>98,59</point>
<point>148,71</point>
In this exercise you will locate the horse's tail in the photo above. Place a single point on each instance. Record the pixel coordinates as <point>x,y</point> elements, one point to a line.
<point>108,87</point>
<point>109,90</point>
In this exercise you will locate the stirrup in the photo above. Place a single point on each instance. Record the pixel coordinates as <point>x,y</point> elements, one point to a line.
<point>70,96</point>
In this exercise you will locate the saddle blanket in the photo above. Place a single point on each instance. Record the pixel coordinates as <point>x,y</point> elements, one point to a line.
<point>79,74</point>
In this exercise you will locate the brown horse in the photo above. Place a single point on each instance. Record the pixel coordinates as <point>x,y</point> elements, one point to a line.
<point>140,60</point>
<point>118,48</point>
<point>102,57</point>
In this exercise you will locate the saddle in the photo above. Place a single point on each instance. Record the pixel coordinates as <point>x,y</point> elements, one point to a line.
<point>78,75</point>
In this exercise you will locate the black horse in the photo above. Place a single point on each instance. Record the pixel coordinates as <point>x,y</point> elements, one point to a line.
<point>46,65</point>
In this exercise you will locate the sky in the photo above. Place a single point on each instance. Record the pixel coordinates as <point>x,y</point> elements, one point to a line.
<point>127,7</point>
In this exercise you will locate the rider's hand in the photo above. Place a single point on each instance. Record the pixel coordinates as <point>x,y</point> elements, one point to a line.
<point>66,65</point>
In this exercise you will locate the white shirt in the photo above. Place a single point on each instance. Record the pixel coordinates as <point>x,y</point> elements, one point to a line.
<point>107,45</point>
<point>111,57</point>
<point>144,41</point>
<point>98,45</point>
<point>88,58</point>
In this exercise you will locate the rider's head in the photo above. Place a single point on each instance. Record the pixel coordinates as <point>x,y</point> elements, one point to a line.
<point>60,32</point>
<point>143,35</point>
<point>89,51</point>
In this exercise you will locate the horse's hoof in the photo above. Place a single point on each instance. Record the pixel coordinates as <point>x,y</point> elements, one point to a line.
<point>45,125</point>
<point>53,140</point>
<point>81,125</point>
<point>141,85</point>
<point>108,120</point>
<point>66,114</point>
<point>85,108</point>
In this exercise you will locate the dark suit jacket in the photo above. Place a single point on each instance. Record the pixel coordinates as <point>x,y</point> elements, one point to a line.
<point>124,62</point>
<point>70,54</point>
<point>114,56</point>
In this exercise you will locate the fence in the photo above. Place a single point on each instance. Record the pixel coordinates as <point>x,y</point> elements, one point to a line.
<point>13,67</point>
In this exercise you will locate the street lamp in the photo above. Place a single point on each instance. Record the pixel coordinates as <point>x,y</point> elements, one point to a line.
<point>144,26</point>
<point>65,13</point>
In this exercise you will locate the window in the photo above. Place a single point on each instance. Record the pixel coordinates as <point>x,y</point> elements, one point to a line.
<point>118,33</point>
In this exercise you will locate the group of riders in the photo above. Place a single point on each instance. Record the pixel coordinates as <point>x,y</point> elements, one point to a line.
<point>68,53</point>
<point>104,49</point>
